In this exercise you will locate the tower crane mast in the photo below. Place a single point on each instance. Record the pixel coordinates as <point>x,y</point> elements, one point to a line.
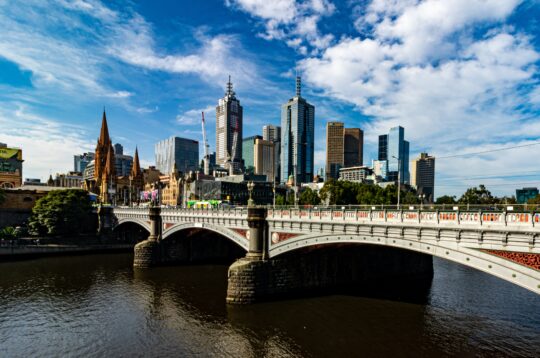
<point>206,159</point>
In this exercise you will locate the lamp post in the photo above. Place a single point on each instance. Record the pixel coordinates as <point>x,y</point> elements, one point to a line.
<point>250,187</point>
<point>274,192</point>
<point>398,180</point>
<point>421,197</point>
<point>130,193</point>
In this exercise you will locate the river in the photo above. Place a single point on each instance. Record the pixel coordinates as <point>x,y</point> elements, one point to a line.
<point>97,305</point>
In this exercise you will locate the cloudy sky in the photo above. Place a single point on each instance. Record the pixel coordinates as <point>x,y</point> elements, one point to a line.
<point>460,75</point>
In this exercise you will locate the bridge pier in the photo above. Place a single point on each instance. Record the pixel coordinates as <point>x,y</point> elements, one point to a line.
<point>148,253</point>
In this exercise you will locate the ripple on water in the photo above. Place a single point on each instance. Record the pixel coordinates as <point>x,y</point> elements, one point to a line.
<point>98,306</point>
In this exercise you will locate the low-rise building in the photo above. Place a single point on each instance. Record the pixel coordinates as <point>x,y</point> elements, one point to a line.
<point>10,167</point>
<point>357,174</point>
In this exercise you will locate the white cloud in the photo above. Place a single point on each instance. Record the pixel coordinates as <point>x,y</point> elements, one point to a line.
<point>418,65</point>
<point>295,22</point>
<point>194,116</point>
<point>48,145</point>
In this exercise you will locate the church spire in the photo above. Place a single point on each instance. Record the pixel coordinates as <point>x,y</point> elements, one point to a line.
<point>136,167</point>
<point>110,172</point>
<point>104,134</point>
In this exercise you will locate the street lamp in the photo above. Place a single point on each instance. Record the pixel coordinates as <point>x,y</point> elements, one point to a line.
<point>421,197</point>
<point>250,187</point>
<point>274,191</point>
<point>398,180</point>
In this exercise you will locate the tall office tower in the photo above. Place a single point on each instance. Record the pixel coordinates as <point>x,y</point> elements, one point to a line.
<point>123,164</point>
<point>81,161</point>
<point>395,149</point>
<point>353,147</point>
<point>228,127</point>
<point>423,176</point>
<point>182,151</point>
<point>264,158</point>
<point>334,149</point>
<point>118,149</point>
<point>383,147</point>
<point>248,145</point>
<point>297,138</point>
<point>273,134</point>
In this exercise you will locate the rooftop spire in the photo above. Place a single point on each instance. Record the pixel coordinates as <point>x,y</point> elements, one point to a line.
<point>230,92</point>
<point>298,86</point>
<point>136,167</point>
<point>104,135</point>
<point>109,165</point>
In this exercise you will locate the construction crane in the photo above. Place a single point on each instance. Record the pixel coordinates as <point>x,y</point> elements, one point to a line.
<point>206,158</point>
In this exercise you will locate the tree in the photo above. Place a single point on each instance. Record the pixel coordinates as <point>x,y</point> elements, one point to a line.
<point>535,200</point>
<point>478,195</point>
<point>62,212</point>
<point>309,197</point>
<point>281,200</point>
<point>446,199</point>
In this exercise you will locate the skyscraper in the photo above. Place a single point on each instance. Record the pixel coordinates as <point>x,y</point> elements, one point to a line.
<point>182,151</point>
<point>229,121</point>
<point>264,158</point>
<point>353,147</point>
<point>118,149</point>
<point>248,145</point>
<point>297,138</point>
<point>334,149</point>
<point>273,134</point>
<point>81,161</point>
<point>423,176</point>
<point>395,150</point>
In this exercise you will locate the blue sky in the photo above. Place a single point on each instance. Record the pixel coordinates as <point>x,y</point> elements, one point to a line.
<point>460,75</point>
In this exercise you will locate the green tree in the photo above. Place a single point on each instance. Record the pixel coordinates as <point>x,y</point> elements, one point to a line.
<point>62,212</point>
<point>535,200</point>
<point>477,196</point>
<point>446,199</point>
<point>309,197</point>
<point>282,200</point>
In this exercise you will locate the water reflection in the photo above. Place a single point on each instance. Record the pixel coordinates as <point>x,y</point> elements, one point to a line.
<point>99,306</point>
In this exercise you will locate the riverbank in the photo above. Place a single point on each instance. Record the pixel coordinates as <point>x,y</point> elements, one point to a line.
<point>23,252</point>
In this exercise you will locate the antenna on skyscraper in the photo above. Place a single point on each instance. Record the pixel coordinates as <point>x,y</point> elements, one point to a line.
<point>298,85</point>
<point>230,92</point>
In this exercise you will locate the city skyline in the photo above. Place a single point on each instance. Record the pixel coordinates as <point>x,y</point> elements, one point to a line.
<point>169,84</point>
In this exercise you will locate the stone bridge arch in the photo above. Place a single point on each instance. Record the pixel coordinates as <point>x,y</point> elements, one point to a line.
<point>229,234</point>
<point>479,259</point>
<point>141,222</point>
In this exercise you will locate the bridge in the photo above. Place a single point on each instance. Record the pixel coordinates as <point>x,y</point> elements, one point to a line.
<point>505,244</point>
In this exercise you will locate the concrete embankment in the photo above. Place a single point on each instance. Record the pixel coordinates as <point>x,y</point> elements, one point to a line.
<point>19,252</point>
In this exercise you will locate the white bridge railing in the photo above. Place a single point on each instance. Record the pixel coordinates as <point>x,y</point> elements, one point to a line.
<point>430,218</point>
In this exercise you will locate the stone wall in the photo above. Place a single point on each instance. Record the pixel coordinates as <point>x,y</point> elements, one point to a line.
<point>14,217</point>
<point>321,269</point>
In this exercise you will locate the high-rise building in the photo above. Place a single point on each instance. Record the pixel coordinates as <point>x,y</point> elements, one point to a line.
<point>81,161</point>
<point>395,150</point>
<point>248,145</point>
<point>10,167</point>
<point>297,139</point>
<point>118,149</point>
<point>344,148</point>
<point>334,149</point>
<point>229,121</point>
<point>122,163</point>
<point>273,134</point>
<point>383,147</point>
<point>183,152</point>
<point>423,176</point>
<point>264,158</point>
<point>353,147</point>
<point>523,195</point>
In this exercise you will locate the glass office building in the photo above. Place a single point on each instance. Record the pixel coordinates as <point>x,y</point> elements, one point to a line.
<point>395,150</point>
<point>182,151</point>
<point>297,145</point>
<point>248,145</point>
